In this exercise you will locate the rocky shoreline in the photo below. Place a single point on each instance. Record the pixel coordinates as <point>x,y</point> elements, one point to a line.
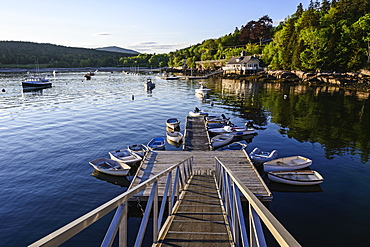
<point>355,81</point>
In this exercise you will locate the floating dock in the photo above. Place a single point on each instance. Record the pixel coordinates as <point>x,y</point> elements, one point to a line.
<point>197,145</point>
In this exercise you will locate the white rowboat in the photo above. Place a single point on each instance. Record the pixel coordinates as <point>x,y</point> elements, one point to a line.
<point>173,123</point>
<point>111,167</point>
<point>221,140</point>
<point>124,155</point>
<point>174,136</point>
<point>287,164</point>
<point>307,177</point>
<point>139,149</point>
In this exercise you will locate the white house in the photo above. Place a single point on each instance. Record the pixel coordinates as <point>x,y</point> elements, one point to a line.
<point>242,64</point>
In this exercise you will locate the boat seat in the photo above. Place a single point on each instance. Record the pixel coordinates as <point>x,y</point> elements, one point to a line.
<point>298,161</point>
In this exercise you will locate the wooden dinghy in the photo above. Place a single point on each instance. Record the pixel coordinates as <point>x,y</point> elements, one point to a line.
<point>173,123</point>
<point>174,136</point>
<point>287,163</point>
<point>306,177</point>
<point>124,155</point>
<point>157,143</point>
<point>111,167</point>
<point>221,140</point>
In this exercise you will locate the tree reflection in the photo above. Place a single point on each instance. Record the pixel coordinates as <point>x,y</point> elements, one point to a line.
<point>337,119</point>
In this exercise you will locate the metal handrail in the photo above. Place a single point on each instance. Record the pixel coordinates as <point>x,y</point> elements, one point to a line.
<point>119,221</point>
<point>231,190</point>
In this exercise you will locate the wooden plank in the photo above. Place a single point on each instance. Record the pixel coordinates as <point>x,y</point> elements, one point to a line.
<point>204,161</point>
<point>197,223</point>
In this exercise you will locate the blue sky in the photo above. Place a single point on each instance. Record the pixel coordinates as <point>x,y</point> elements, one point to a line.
<point>157,26</point>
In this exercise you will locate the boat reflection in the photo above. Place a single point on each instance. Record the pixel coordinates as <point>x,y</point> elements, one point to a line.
<point>279,187</point>
<point>116,180</point>
<point>175,144</point>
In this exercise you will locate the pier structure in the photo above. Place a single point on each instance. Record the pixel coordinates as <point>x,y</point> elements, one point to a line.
<point>212,198</point>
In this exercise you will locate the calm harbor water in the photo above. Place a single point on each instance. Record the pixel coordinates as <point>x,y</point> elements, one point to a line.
<point>49,136</point>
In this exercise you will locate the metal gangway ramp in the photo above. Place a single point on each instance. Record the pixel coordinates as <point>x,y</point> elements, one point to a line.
<point>200,219</point>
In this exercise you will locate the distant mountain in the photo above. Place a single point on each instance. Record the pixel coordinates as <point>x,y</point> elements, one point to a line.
<point>117,49</point>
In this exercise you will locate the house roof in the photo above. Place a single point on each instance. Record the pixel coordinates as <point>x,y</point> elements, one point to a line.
<point>241,60</point>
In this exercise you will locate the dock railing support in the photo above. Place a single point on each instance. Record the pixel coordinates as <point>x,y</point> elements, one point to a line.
<point>183,172</point>
<point>231,191</point>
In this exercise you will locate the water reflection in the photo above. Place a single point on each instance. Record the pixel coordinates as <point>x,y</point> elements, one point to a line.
<point>116,180</point>
<point>337,119</point>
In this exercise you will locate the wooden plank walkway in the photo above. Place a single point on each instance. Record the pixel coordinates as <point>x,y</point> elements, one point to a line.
<point>236,161</point>
<point>200,220</point>
<point>195,135</point>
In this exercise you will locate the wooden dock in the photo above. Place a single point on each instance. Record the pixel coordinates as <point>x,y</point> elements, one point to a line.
<point>195,135</point>
<point>200,220</point>
<point>204,162</point>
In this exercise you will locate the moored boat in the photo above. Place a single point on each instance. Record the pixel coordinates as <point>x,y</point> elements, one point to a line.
<point>221,140</point>
<point>202,89</point>
<point>157,143</point>
<point>236,131</point>
<point>259,156</point>
<point>301,177</point>
<point>197,113</point>
<point>111,167</point>
<point>173,123</point>
<point>174,136</point>
<point>124,155</point>
<point>139,149</point>
<point>234,146</point>
<point>37,82</point>
<point>287,163</point>
<point>149,85</point>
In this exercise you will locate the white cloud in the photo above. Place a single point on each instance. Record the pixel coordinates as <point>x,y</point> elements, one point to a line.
<point>155,47</point>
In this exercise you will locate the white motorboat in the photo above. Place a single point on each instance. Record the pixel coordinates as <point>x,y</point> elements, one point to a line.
<point>157,143</point>
<point>173,123</point>
<point>139,149</point>
<point>221,140</point>
<point>236,131</point>
<point>111,167</point>
<point>287,163</point>
<point>202,89</point>
<point>216,119</point>
<point>124,155</point>
<point>197,113</point>
<point>174,136</point>
<point>307,177</point>
<point>259,156</point>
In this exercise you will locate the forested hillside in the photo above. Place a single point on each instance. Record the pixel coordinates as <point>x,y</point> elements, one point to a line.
<point>23,53</point>
<point>332,36</point>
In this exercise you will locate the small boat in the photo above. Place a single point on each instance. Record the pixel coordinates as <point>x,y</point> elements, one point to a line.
<point>202,89</point>
<point>111,167</point>
<point>157,143</point>
<point>197,113</point>
<point>149,85</point>
<point>139,149</point>
<point>234,146</point>
<point>215,119</point>
<point>221,140</point>
<point>259,156</point>
<point>174,136</point>
<point>236,131</point>
<point>36,82</point>
<point>287,164</point>
<point>124,155</point>
<point>306,177</point>
<point>173,123</point>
